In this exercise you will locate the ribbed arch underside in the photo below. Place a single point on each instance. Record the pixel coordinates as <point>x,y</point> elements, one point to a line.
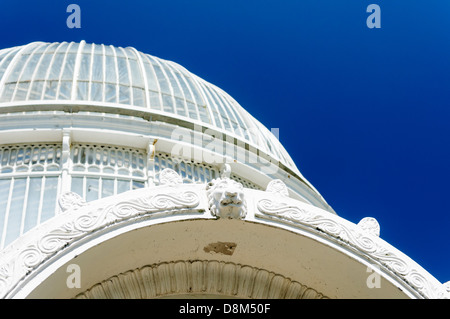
<point>199,279</point>
<point>104,73</point>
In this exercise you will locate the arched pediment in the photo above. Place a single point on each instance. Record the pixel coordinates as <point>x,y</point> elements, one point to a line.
<point>173,224</point>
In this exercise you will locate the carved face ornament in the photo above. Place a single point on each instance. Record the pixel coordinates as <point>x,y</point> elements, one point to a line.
<point>226,198</point>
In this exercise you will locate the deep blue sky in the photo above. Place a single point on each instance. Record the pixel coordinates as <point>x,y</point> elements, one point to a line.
<point>363,112</point>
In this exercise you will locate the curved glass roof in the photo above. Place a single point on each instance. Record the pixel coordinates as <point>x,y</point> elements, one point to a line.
<point>103,73</point>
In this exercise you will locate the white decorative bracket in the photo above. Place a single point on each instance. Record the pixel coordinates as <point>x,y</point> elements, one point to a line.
<point>370,225</point>
<point>277,186</point>
<point>169,177</point>
<point>70,200</point>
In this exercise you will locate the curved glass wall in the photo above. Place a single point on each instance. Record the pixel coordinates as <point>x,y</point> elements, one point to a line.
<point>29,184</point>
<point>31,178</point>
<point>100,171</point>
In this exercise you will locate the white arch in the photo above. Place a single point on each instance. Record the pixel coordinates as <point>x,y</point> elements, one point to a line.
<point>309,238</point>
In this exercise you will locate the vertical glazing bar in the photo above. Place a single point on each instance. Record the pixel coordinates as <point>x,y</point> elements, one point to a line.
<point>41,200</point>
<point>76,70</point>
<point>151,162</point>
<point>65,162</point>
<point>144,75</point>
<point>156,81</point>
<point>47,74</point>
<point>25,205</point>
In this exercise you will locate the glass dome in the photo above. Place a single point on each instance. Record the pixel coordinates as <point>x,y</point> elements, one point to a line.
<point>97,73</point>
<point>83,118</point>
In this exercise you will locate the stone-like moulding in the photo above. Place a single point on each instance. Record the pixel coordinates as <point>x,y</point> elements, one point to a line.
<point>362,239</point>
<point>204,277</point>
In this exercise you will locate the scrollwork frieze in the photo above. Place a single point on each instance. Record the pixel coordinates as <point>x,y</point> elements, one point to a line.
<point>81,221</point>
<point>362,238</point>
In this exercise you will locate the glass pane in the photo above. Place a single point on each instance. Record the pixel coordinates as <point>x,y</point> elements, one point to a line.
<point>77,186</point>
<point>74,47</point>
<point>82,90</point>
<point>162,80</point>
<point>56,67</point>
<point>32,211</point>
<point>138,97</point>
<point>14,76</point>
<point>68,67</point>
<point>110,93</point>
<point>15,210</point>
<point>180,107</point>
<point>137,184</point>
<point>167,103</point>
<point>49,200</point>
<point>123,71</point>
<point>87,48</point>
<point>151,80</point>
<point>43,66</point>
<point>96,92</point>
<point>154,100</point>
<point>36,90</point>
<point>136,73</point>
<point>31,66</point>
<point>4,193</point>
<point>195,91</point>
<point>5,63</point>
<point>92,187</point>
<point>192,110</point>
<point>122,186</point>
<point>186,92</point>
<point>124,95</point>
<point>65,90</point>
<point>21,92</point>
<point>97,68</point>
<point>175,87</point>
<point>8,92</point>
<point>110,70</point>
<point>50,90</point>
<point>84,67</point>
<point>107,187</point>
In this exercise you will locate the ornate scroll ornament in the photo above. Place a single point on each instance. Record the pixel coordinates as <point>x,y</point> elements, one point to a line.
<point>169,177</point>
<point>226,198</point>
<point>277,186</point>
<point>447,286</point>
<point>77,223</point>
<point>70,200</point>
<point>361,239</point>
<point>370,225</point>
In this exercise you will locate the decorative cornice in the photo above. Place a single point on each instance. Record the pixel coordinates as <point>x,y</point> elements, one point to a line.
<point>362,239</point>
<point>80,220</point>
<point>199,277</point>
